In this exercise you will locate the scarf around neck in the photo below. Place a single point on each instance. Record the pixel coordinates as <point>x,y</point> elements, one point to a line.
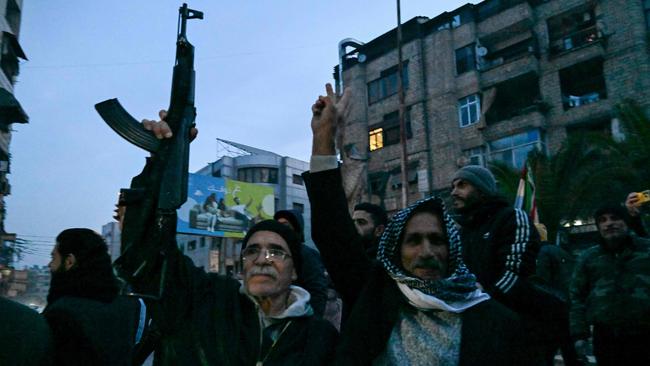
<point>456,293</point>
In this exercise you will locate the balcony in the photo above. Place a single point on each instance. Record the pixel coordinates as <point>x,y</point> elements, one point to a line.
<point>500,17</point>
<point>502,70</point>
<point>575,40</point>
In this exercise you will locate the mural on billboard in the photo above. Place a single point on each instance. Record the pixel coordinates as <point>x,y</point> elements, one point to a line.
<point>223,207</point>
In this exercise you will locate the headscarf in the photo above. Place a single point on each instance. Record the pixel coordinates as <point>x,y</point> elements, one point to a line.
<point>458,286</point>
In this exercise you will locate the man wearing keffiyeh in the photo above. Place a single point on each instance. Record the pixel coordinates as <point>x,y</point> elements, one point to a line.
<point>418,304</point>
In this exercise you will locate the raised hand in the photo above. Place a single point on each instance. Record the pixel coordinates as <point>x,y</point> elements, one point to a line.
<point>328,114</point>
<point>161,129</point>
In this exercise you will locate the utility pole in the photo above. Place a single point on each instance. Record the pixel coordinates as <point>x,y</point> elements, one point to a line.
<point>402,124</point>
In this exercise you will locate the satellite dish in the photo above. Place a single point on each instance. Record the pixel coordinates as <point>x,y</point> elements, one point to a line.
<point>361,58</point>
<point>481,51</point>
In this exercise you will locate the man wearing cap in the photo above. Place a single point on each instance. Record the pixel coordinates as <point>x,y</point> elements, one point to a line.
<point>611,292</point>
<point>211,319</point>
<point>312,277</point>
<point>500,244</point>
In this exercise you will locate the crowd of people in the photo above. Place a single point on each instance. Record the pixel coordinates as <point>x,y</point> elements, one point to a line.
<point>475,283</point>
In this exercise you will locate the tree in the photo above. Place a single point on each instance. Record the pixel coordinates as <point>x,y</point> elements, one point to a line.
<point>588,170</point>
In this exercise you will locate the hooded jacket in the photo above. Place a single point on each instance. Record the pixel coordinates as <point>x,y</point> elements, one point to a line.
<point>372,288</point>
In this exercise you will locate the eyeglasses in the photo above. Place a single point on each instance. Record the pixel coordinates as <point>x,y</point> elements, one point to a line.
<point>252,253</point>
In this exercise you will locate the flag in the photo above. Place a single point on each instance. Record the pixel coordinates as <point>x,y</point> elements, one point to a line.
<point>525,199</point>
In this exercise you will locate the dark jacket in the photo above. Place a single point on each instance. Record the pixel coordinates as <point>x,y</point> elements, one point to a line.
<point>555,266</point>
<point>91,332</point>
<point>24,336</point>
<point>374,297</point>
<point>500,246</point>
<point>612,289</point>
<point>312,277</point>
<point>205,320</point>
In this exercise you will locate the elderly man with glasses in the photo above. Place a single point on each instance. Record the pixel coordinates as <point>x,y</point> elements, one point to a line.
<point>210,319</point>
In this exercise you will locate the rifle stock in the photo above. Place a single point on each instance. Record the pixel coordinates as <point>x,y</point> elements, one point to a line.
<point>149,225</point>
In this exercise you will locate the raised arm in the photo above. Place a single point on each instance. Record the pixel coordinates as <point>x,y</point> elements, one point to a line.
<point>333,230</point>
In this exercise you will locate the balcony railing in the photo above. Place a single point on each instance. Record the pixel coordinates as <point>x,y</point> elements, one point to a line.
<point>574,40</point>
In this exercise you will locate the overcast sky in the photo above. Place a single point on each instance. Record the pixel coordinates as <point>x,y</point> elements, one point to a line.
<point>259,67</point>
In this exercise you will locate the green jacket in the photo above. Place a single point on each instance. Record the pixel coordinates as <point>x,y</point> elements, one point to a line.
<point>612,289</point>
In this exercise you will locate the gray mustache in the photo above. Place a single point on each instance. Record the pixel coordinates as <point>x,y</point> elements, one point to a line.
<point>429,263</point>
<point>263,270</point>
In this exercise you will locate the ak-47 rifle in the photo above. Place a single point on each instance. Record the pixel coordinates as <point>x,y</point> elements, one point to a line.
<point>149,227</point>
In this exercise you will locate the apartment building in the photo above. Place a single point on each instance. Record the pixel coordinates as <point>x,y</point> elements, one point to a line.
<point>10,109</point>
<point>492,81</point>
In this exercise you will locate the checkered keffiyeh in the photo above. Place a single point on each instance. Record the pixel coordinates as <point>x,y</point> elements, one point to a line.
<point>459,286</point>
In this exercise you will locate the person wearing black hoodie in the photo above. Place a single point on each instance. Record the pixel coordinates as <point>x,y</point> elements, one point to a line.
<point>90,323</point>
<point>312,277</point>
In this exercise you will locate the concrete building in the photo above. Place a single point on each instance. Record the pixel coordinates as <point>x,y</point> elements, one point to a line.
<point>112,235</point>
<point>10,110</point>
<point>252,165</point>
<point>492,81</point>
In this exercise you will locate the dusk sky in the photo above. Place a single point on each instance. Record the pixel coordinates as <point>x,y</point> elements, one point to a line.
<point>259,67</point>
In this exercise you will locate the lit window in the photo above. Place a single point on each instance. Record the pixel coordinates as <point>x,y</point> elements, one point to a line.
<point>376,139</point>
<point>469,110</point>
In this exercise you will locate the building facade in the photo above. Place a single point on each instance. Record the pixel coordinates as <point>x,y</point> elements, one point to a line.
<point>113,236</point>
<point>492,81</point>
<point>248,164</point>
<point>10,109</point>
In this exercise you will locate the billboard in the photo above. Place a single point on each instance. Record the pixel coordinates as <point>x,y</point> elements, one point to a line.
<point>223,207</point>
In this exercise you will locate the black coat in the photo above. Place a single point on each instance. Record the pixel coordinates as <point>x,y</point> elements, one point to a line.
<point>92,332</point>
<point>24,336</point>
<point>490,333</point>
<point>205,320</point>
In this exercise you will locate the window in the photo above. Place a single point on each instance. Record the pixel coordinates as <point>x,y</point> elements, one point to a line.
<point>297,179</point>
<point>216,243</point>
<point>387,84</point>
<point>469,110</point>
<point>299,207</point>
<point>582,83</point>
<point>202,242</point>
<point>376,137</point>
<point>258,175</point>
<point>465,59</point>
<point>513,150</point>
<point>572,29</point>
<point>191,245</point>
<point>388,131</point>
<point>516,96</point>
<point>475,155</point>
<point>217,173</point>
